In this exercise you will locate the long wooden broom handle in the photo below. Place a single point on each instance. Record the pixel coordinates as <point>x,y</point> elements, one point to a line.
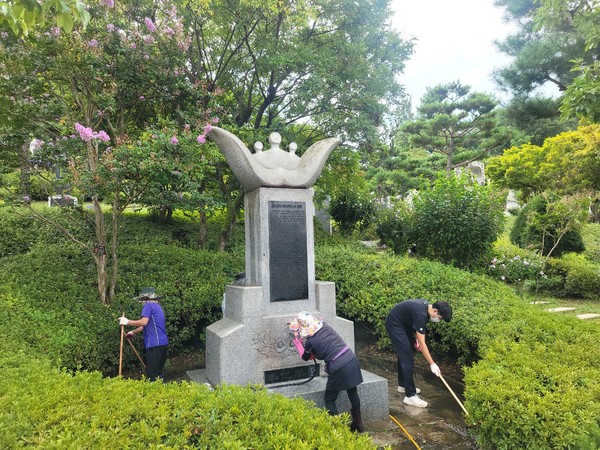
<point>136,353</point>
<point>121,347</point>
<point>454,395</point>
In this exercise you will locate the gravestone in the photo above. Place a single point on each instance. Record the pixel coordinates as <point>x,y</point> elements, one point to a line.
<point>251,344</point>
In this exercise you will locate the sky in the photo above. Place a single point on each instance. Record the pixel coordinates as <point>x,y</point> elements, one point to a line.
<point>454,42</point>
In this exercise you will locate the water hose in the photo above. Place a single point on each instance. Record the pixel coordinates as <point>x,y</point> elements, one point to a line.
<point>405,432</point>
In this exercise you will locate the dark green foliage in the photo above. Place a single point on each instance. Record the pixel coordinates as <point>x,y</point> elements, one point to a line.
<point>530,375</point>
<point>456,222</point>
<point>526,235</point>
<point>393,229</point>
<point>21,232</point>
<point>57,283</point>
<point>351,209</point>
<point>369,284</point>
<point>536,386</point>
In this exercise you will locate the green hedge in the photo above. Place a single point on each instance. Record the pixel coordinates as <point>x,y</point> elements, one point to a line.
<point>531,376</point>
<point>57,282</point>
<point>42,406</point>
<point>536,385</point>
<point>573,275</point>
<point>368,285</point>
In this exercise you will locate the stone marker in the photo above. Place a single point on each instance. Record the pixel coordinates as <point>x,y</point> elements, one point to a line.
<point>251,344</point>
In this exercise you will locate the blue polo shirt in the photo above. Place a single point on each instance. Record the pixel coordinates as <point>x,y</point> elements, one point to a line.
<point>155,333</point>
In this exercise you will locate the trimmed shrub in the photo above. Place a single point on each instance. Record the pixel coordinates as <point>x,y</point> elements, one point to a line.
<point>535,386</point>
<point>60,280</point>
<point>456,221</point>
<point>44,407</point>
<point>574,276</point>
<point>527,236</point>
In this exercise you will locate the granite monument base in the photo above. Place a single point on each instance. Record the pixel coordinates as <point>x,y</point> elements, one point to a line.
<point>373,393</point>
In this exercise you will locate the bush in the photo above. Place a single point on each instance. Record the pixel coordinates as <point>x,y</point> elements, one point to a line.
<point>351,210</point>
<point>42,406</point>
<point>393,228</point>
<point>577,276</point>
<point>535,386</point>
<point>528,236</point>
<point>530,376</point>
<point>368,285</point>
<point>54,281</point>
<point>591,237</point>
<point>456,221</point>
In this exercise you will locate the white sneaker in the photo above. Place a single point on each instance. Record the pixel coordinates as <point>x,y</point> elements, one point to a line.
<point>415,401</point>
<point>401,390</point>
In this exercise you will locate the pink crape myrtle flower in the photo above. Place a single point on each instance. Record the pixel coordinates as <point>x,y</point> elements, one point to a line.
<point>150,25</point>
<point>103,136</point>
<point>201,139</point>
<point>85,134</point>
<point>174,140</point>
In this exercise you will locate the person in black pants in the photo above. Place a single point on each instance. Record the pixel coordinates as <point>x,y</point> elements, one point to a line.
<point>153,325</point>
<point>405,322</point>
<point>322,342</point>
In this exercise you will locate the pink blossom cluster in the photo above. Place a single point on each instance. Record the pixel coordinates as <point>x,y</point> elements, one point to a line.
<point>150,25</point>
<point>201,139</point>
<point>86,134</point>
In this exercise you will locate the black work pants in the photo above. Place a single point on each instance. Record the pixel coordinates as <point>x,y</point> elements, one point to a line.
<point>406,365</point>
<point>331,397</point>
<point>156,357</point>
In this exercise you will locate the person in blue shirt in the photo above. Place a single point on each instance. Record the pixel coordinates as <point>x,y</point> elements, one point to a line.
<point>406,323</point>
<point>152,324</point>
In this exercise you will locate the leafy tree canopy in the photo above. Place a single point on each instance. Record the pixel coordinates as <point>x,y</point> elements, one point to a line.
<point>457,123</point>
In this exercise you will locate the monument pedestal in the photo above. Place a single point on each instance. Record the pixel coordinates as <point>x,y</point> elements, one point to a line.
<point>373,393</point>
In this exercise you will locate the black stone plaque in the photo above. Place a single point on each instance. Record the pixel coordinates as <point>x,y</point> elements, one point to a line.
<point>288,254</point>
<point>291,374</point>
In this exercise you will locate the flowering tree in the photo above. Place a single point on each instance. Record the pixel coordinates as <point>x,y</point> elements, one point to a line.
<point>95,93</point>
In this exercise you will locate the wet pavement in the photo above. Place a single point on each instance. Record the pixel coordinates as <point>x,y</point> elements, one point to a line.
<point>440,426</point>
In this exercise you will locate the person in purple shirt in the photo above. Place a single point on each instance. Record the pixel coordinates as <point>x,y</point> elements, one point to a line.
<point>316,339</point>
<point>407,323</point>
<point>152,324</point>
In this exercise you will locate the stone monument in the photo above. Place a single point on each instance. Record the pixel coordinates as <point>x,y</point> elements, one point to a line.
<point>251,344</point>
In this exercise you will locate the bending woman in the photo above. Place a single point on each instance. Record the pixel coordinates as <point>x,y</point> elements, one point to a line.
<point>314,338</point>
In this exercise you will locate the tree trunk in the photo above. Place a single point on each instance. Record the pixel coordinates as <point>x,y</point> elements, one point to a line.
<point>113,247</point>
<point>25,181</point>
<point>203,228</point>
<point>100,251</point>
<point>232,211</point>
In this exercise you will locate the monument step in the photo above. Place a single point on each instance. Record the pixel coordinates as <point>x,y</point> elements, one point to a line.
<point>373,393</point>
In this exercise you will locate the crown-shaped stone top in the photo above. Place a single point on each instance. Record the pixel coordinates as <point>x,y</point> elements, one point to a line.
<point>276,157</point>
